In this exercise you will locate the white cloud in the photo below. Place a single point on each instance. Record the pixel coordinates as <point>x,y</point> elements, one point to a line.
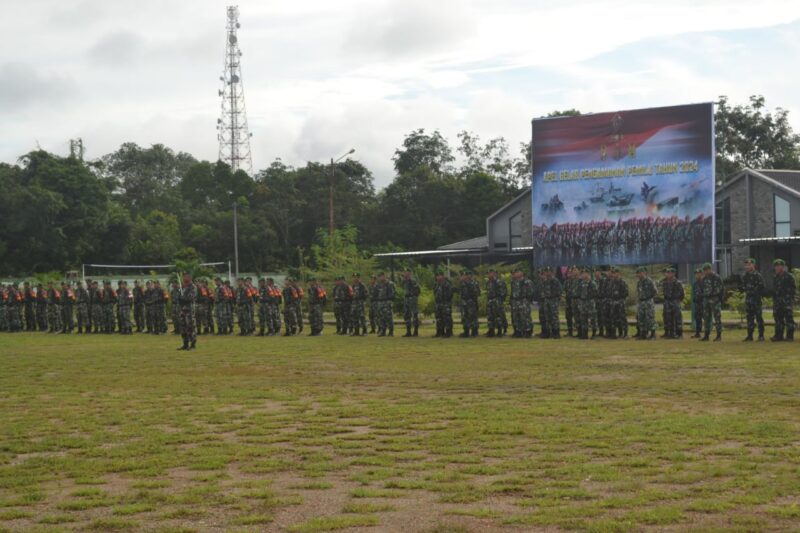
<point>322,77</point>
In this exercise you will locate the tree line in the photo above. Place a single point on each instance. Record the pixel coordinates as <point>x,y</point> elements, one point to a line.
<point>152,205</point>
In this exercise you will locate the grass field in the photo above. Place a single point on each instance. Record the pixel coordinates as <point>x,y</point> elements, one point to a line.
<point>315,434</point>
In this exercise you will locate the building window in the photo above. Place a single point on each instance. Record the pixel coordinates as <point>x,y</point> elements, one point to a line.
<point>783,218</point>
<point>515,230</point>
<point>724,222</point>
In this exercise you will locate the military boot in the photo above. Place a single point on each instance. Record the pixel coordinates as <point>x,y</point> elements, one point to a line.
<point>260,332</point>
<point>475,331</point>
<point>416,331</point>
<point>448,332</point>
<point>193,345</point>
<point>505,330</point>
<point>185,345</point>
<point>439,332</point>
<point>704,338</point>
<point>465,334</point>
<point>790,335</point>
<point>408,331</point>
<point>490,333</point>
<point>749,337</point>
<point>718,337</point>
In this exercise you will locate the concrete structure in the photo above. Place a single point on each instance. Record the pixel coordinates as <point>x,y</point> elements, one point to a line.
<point>758,215</point>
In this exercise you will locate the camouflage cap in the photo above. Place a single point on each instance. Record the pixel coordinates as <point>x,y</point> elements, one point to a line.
<point>547,269</point>
<point>614,269</point>
<point>493,270</point>
<point>356,274</point>
<point>439,272</point>
<point>750,260</point>
<point>641,269</point>
<point>778,262</point>
<point>707,266</point>
<point>698,270</point>
<point>312,278</point>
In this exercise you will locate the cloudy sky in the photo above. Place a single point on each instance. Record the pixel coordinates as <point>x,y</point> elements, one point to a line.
<point>321,77</point>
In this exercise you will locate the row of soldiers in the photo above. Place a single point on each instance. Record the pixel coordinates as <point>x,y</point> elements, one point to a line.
<point>594,304</point>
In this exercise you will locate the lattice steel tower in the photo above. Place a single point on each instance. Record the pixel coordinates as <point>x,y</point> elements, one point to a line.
<point>232,132</point>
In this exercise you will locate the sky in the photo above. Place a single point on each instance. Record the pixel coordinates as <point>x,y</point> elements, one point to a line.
<point>323,77</point>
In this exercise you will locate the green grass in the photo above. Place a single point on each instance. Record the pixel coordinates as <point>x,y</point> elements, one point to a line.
<point>124,433</point>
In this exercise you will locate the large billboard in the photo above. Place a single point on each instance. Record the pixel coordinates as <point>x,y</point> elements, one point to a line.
<point>627,187</point>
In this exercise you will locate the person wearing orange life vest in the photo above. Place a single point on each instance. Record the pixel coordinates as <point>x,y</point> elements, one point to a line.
<point>290,299</point>
<point>162,297</point>
<point>67,305</point>
<point>243,304</point>
<point>253,292</point>
<point>230,300</point>
<point>316,301</point>
<point>273,308</point>
<point>108,299</point>
<point>29,305</point>
<point>53,308</point>
<point>124,304</point>
<point>220,307</point>
<point>358,319</point>
<point>203,308</point>
<point>41,307</point>
<point>174,293</point>
<point>82,308</point>
<point>13,309</point>
<point>263,299</point>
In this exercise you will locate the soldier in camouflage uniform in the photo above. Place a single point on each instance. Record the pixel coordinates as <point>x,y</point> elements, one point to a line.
<point>753,288</point>
<point>14,309</point>
<point>496,293</point>
<point>411,293</point>
<point>54,308</point>
<point>697,303</point>
<point>109,299</point>
<point>161,307</point>
<point>96,311</point>
<point>373,304</point>
<point>203,308</point>
<point>174,294</point>
<point>82,308</point>
<point>221,307</point>
<point>263,302</point>
<point>646,311</point>
<point>41,307</point>
<point>521,297</point>
<point>185,301</point>
<point>470,291</point>
<point>617,296</point>
<point>443,301</point>
<point>342,296</point>
<point>585,296</point>
<point>550,294</point>
<point>273,308</point>
<point>138,306</point>
<point>29,299</point>
<point>673,300</point>
<point>243,303</point>
<point>384,298</point>
<point>713,291</point>
<point>570,304</point>
<point>149,307</point>
<point>603,304</point>
<point>290,296</point>
<point>358,319</point>
<point>783,302</point>
<point>4,292</point>
<point>124,304</point>
<point>67,303</point>
<point>316,303</point>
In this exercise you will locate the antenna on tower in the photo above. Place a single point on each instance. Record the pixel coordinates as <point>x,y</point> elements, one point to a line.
<point>232,132</point>
<point>76,148</point>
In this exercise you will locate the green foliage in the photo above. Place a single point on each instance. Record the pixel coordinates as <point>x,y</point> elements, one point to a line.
<point>337,255</point>
<point>736,302</point>
<point>155,238</point>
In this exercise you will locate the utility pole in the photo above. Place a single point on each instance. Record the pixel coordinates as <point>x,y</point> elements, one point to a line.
<point>330,191</point>
<point>232,131</point>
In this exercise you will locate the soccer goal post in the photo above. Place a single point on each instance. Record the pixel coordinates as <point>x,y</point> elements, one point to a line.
<point>144,270</point>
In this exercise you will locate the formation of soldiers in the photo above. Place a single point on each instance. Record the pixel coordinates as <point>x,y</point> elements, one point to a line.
<point>653,239</point>
<point>594,303</point>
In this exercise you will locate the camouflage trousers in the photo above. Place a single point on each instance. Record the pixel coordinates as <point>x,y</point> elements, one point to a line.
<point>411,312</point>
<point>521,317</point>
<point>41,316</point>
<point>269,317</point>
<point>712,311</point>
<point>358,318</point>
<point>67,317</point>
<point>755,315</point>
<point>109,324</point>
<point>469,316</point>
<point>341,312</point>
<point>569,313</point>
<point>30,316</point>
<point>496,314</point>
<point>290,318</point>
<point>138,316</point>
<point>603,315</point>
<point>698,317</point>
<point>315,318</point>
<point>243,314</point>
<point>548,318</point>
<point>443,314</point>
<point>124,318</point>
<point>150,318</point>
<point>384,318</point>
<point>646,317</point>
<point>585,311</point>
<point>54,317</point>
<point>13,318</point>
<point>617,318</point>
<point>3,318</point>
<point>175,315</point>
<point>673,318</point>
<point>373,315</point>
<point>187,326</point>
<point>298,313</point>
<point>83,316</point>
<point>782,311</point>
<point>201,315</point>
<point>223,317</point>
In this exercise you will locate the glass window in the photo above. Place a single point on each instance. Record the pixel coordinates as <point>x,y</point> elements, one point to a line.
<point>515,230</point>
<point>783,222</point>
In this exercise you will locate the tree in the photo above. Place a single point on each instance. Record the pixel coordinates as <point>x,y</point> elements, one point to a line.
<point>491,158</point>
<point>155,238</point>
<point>751,136</point>
<point>337,254</point>
<point>420,149</point>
